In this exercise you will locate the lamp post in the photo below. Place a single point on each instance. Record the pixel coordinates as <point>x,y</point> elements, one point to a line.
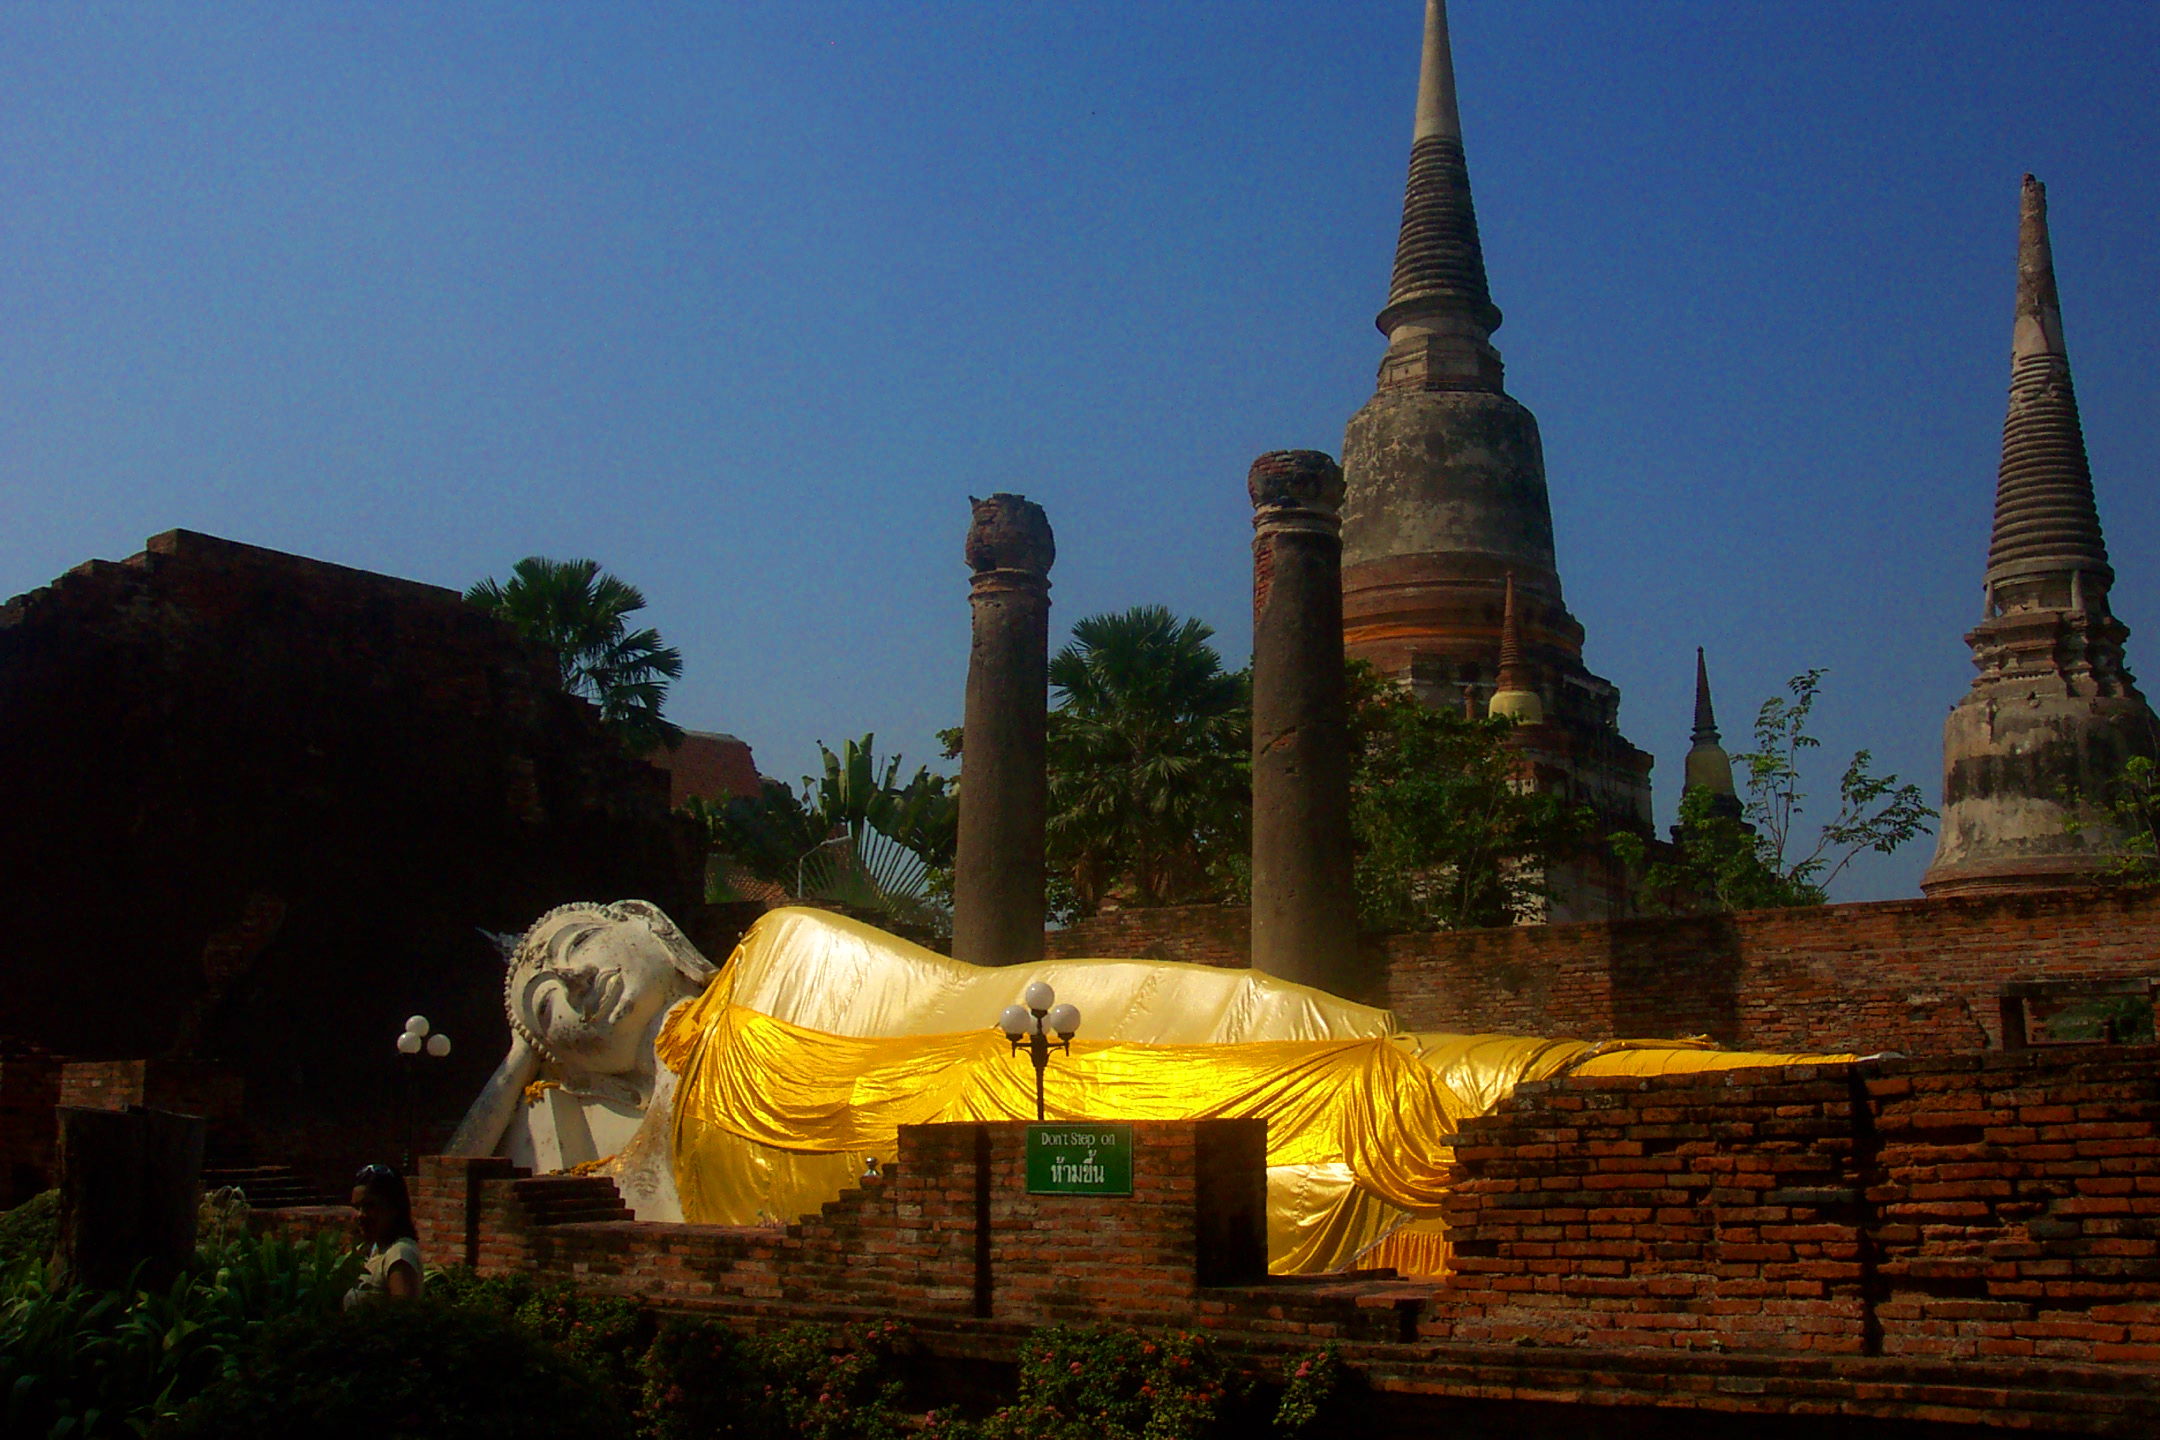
<point>1029,1024</point>
<point>413,1041</point>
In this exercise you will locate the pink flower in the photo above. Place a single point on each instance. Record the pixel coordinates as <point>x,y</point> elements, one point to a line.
<point>1304,1368</point>
<point>1074,1367</point>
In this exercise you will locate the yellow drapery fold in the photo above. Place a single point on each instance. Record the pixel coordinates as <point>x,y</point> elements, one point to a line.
<point>774,1116</point>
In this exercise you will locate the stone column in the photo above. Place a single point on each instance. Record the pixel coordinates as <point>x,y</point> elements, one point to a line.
<point>1304,912</point>
<point>1004,789</point>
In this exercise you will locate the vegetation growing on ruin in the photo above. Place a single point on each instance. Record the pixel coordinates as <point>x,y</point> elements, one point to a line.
<point>2132,808</point>
<point>1718,863</point>
<point>1448,836</point>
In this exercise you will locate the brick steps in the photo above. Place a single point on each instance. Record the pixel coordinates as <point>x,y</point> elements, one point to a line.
<point>569,1199</point>
<point>268,1187</point>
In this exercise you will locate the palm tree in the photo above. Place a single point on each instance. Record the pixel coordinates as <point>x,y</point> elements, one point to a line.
<point>581,612</point>
<point>1149,758</point>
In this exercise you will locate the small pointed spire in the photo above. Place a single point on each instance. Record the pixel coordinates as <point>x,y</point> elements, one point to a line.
<point>1438,305</point>
<point>1708,767</point>
<point>2046,549</point>
<point>1437,116</point>
<point>2038,330</point>
<point>1511,676</point>
<point>1706,731</point>
<point>1512,695</point>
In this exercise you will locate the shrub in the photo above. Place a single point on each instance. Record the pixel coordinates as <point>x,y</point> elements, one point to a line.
<point>1096,1383</point>
<point>85,1363</point>
<point>803,1382</point>
<point>1316,1400</point>
<point>698,1383</point>
<point>421,1369</point>
<point>1092,1383</point>
<point>608,1337</point>
<point>831,1382</point>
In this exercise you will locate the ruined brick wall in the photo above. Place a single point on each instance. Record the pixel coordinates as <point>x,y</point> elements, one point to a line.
<point>707,766</point>
<point>948,1228</point>
<point>1199,934</point>
<point>1958,1241</point>
<point>268,801</point>
<point>2002,1206</point>
<point>1909,975</point>
<point>211,1091</point>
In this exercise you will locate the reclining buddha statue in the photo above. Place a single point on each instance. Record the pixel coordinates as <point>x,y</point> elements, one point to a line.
<point>758,1092</point>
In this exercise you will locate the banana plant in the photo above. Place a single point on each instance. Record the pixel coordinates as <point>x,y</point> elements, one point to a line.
<point>857,836</point>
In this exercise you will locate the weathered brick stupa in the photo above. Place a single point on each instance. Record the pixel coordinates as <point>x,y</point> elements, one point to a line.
<point>1446,481</point>
<point>2054,712</point>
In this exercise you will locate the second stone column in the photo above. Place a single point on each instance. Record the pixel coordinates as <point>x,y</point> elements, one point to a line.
<point>1304,910</point>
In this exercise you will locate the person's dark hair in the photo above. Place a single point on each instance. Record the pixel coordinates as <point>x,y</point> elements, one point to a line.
<point>386,1185</point>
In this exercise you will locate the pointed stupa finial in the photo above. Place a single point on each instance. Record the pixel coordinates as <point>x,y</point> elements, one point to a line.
<point>1512,695</point>
<point>1439,317</point>
<point>2039,309</point>
<point>1708,767</point>
<point>1706,732</point>
<point>2046,550</point>
<point>1437,115</point>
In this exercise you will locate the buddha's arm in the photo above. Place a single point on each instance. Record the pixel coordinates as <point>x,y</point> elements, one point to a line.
<point>482,1128</point>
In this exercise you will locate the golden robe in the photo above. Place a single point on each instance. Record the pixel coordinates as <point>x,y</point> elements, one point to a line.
<point>822,1036</point>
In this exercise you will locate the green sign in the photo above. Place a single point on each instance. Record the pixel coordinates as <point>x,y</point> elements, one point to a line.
<point>1079,1159</point>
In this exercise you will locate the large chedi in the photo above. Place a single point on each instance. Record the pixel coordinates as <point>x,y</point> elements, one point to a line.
<point>1446,500</point>
<point>2054,712</point>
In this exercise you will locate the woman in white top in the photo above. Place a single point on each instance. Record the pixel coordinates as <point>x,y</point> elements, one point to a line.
<point>383,1213</point>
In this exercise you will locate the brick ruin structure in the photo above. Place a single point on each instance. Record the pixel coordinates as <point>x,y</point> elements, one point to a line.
<point>1919,976</point>
<point>1917,1247</point>
<point>2053,714</point>
<point>1447,500</point>
<point>707,766</point>
<point>263,803</point>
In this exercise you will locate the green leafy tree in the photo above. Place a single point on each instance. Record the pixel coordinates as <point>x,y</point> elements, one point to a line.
<point>1448,834</point>
<point>582,613</point>
<point>1720,864</point>
<point>1149,763</point>
<point>2132,806</point>
<point>857,836</point>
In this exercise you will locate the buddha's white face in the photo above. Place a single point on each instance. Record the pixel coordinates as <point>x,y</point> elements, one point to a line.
<point>595,989</point>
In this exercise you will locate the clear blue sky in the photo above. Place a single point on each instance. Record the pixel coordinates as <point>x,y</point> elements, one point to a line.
<point>745,299</point>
